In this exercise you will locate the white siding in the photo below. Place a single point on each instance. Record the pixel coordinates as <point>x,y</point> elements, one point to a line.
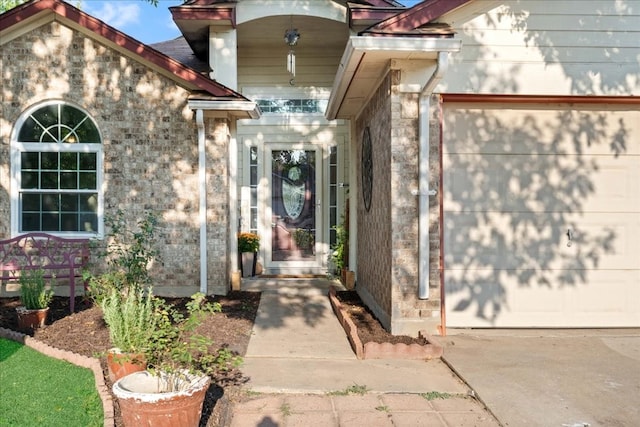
<point>546,48</point>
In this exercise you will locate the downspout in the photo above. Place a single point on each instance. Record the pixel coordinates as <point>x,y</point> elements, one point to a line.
<point>424,192</point>
<point>202,187</point>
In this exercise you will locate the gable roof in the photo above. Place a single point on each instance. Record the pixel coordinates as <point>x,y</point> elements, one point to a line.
<point>37,12</point>
<point>414,20</point>
<point>407,34</point>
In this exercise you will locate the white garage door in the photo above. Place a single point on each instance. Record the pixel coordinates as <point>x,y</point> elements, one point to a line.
<point>541,215</point>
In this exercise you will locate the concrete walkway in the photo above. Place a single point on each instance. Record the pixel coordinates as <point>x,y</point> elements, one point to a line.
<point>545,378</point>
<point>304,372</point>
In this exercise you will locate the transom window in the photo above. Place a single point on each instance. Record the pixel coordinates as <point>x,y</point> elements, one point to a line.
<point>57,171</point>
<point>283,106</point>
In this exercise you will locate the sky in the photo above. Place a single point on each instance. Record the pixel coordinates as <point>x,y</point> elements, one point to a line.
<point>141,20</point>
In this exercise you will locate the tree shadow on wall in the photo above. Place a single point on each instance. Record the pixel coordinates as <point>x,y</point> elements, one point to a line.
<point>512,210</point>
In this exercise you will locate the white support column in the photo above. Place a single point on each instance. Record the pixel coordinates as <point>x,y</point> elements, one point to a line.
<point>202,187</point>
<point>223,60</point>
<point>233,198</point>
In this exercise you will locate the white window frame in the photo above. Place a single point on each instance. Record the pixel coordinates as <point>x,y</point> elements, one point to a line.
<point>17,148</point>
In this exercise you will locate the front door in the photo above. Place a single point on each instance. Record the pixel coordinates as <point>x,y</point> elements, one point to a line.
<point>294,210</point>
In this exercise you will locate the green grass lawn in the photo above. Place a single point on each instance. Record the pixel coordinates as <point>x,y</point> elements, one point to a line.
<point>36,390</point>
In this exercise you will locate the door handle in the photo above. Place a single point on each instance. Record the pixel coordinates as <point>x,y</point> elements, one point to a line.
<point>569,237</point>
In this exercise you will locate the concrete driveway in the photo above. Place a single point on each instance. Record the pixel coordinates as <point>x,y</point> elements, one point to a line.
<point>547,378</point>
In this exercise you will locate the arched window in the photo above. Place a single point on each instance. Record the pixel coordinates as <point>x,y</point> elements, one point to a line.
<point>57,171</point>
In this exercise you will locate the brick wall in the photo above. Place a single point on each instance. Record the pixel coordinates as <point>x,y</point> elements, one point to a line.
<point>388,240</point>
<point>150,143</point>
<point>374,227</point>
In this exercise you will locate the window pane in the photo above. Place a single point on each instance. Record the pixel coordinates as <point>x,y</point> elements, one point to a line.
<point>49,161</point>
<point>87,181</point>
<point>88,133</point>
<point>333,157</point>
<point>30,131</point>
<point>50,202</point>
<point>68,180</point>
<point>50,222</point>
<point>29,160</point>
<point>88,161</point>
<point>88,223</point>
<point>69,202</point>
<point>69,222</point>
<point>50,135</point>
<point>47,116</point>
<point>69,161</point>
<point>71,116</point>
<point>49,180</point>
<point>88,202</point>
<point>30,222</point>
<point>332,195</point>
<point>31,202</point>
<point>29,180</point>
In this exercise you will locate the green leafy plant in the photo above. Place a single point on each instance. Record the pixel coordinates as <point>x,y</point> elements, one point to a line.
<point>129,254</point>
<point>354,389</point>
<point>248,242</point>
<point>338,254</point>
<point>33,290</point>
<point>433,395</point>
<point>130,317</point>
<point>132,250</point>
<point>178,350</point>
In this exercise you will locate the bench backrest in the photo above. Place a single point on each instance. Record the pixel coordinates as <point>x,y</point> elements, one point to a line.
<point>59,257</point>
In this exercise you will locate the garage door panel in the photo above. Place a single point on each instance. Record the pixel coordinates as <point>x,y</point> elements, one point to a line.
<point>541,216</point>
<point>482,302</point>
<point>521,183</point>
<point>536,132</point>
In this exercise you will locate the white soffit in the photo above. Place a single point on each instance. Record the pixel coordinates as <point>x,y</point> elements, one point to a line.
<point>364,61</point>
<point>243,109</point>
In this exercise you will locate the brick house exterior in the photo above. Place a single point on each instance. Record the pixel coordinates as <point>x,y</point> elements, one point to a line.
<point>199,129</point>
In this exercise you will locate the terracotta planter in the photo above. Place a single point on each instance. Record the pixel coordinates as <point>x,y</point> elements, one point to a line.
<point>31,319</point>
<point>122,364</point>
<point>142,404</point>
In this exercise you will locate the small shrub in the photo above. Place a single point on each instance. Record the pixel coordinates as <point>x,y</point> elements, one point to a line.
<point>33,290</point>
<point>177,349</point>
<point>131,318</point>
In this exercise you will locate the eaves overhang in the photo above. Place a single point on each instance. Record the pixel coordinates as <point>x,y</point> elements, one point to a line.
<point>194,19</point>
<point>365,61</point>
<point>238,109</point>
<point>35,13</point>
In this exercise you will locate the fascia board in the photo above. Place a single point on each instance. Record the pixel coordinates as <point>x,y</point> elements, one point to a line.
<point>392,47</point>
<point>247,108</point>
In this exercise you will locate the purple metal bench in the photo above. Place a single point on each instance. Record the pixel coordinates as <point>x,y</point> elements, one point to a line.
<point>59,257</point>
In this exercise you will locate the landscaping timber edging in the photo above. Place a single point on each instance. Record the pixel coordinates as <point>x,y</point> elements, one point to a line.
<point>373,350</point>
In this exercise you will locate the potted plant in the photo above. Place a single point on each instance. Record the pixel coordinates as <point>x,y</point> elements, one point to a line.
<point>124,291</point>
<point>130,318</point>
<point>35,298</point>
<point>248,246</point>
<point>172,390</point>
